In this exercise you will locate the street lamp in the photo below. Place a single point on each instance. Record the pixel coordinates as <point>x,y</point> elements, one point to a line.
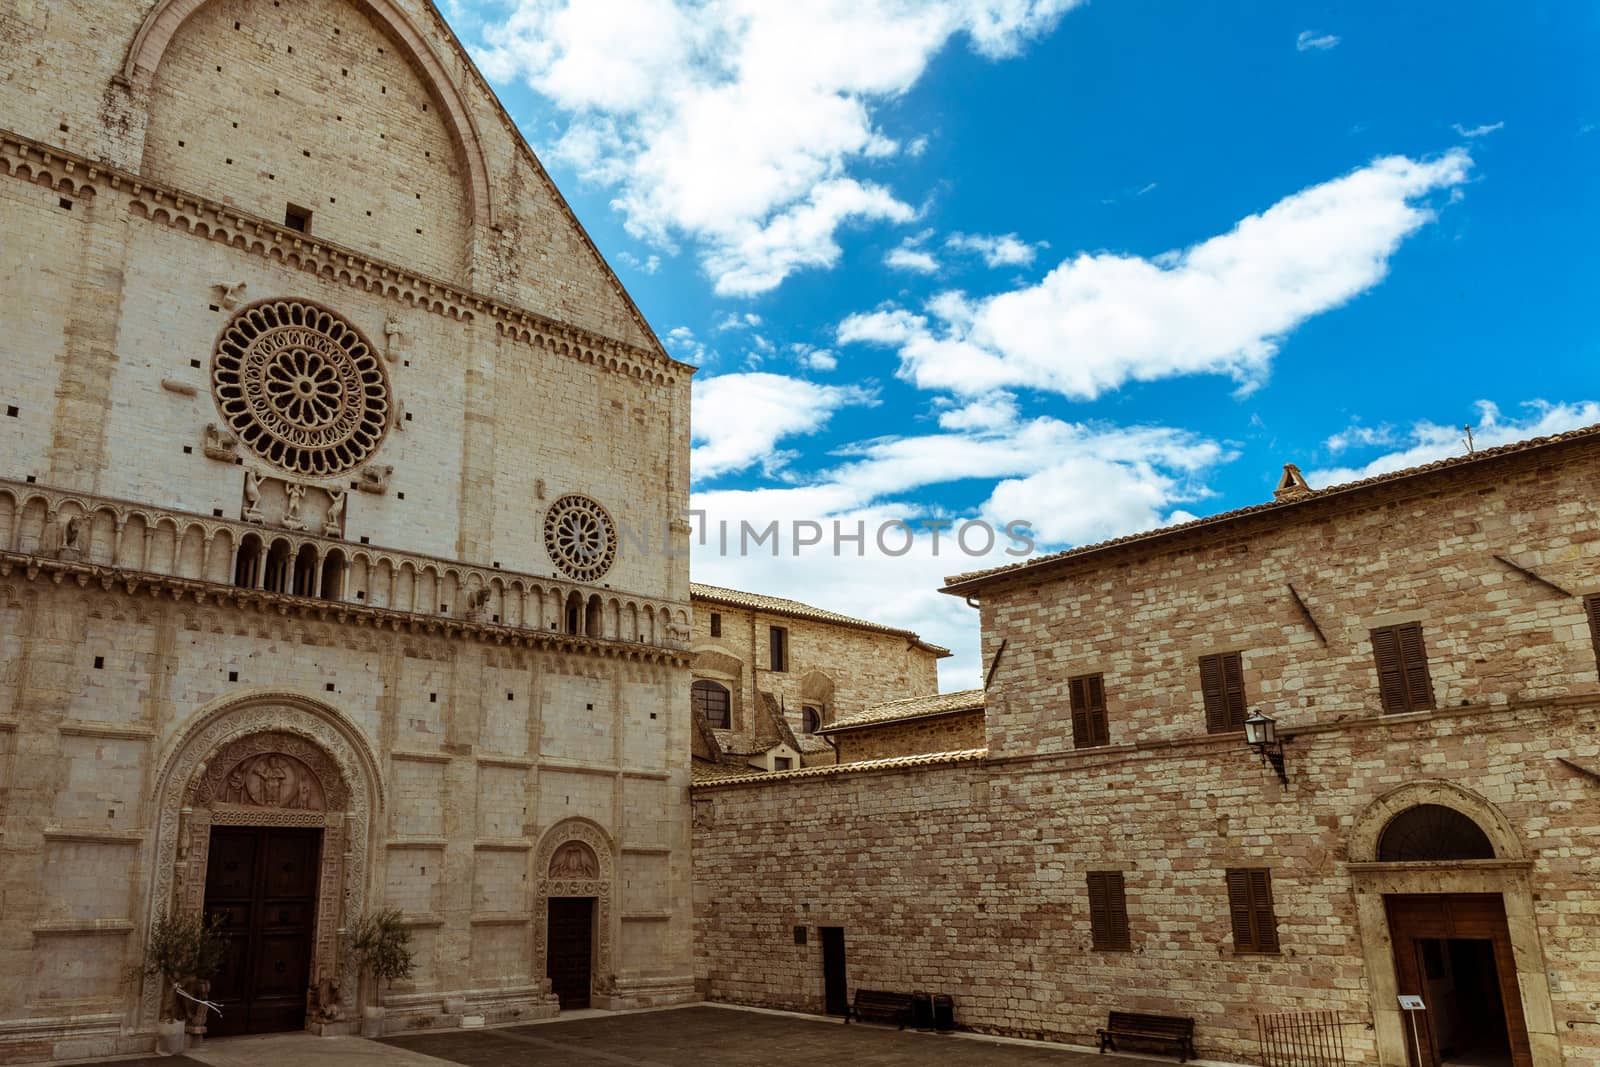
<point>1261,734</point>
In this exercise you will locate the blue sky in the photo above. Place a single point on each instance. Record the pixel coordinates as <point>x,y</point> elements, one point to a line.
<point>1094,266</point>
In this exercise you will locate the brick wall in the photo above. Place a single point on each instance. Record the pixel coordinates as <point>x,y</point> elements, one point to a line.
<point>947,733</point>
<point>970,878</point>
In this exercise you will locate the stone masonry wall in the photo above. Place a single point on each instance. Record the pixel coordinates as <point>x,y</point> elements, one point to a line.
<point>947,733</point>
<point>969,878</point>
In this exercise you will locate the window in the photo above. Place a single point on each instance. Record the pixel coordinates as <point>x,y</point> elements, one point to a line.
<point>779,653</point>
<point>1255,928</point>
<point>1089,711</point>
<point>1403,682</point>
<point>810,719</point>
<point>1591,605</point>
<point>1108,912</point>
<point>782,763</point>
<point>716,624</point>
<point>1222,683</point>
<point>710,701</point>
<point>297,218</point>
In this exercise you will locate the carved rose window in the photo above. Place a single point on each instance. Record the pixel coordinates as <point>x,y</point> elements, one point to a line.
<point>301,388</point>
<point>580,538</point>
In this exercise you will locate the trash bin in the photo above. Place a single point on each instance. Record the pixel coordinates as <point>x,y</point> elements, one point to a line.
<point>944,1013</point>
<point>922,1011</point>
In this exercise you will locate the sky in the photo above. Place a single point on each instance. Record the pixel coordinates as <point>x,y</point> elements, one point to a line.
<point>970,277</point>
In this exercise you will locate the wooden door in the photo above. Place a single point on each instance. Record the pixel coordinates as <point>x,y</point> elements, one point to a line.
<point>570,947</point>
<point>835,981</point>
<point>1414,920</point>
<point>262,882</point>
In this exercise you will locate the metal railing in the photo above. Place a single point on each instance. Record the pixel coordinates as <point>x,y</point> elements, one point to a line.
<point>1301,1039</point>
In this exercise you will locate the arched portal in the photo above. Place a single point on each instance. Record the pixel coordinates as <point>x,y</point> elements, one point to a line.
<point>271,760</point>
<point>1446,913</point>
<point>576,869</point>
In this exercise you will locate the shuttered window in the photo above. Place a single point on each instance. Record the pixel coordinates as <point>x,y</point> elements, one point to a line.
<point>1591,604</point>
<point>716,624</point>
<point>1403,682</point>
<point>1089,727</point>
<point>1255,928</point>
<point>1222,684</point>
<point>1108,912</point>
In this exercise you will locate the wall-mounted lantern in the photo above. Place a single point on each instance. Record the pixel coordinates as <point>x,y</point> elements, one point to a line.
<point>1261,734</point>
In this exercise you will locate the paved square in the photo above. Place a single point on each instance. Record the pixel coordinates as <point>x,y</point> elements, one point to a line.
<point>712,1037</point>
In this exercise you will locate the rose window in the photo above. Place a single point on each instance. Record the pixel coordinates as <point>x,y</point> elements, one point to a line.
<point>301,388</point>
<point>580,538</point>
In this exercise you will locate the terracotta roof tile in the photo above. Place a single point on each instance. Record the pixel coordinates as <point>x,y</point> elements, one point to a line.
<point>956,583</point>
<point>907,708</point>
<point>773,605</point>
<point>752,776</point>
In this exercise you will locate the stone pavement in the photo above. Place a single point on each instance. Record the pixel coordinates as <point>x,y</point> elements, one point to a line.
<point>695,1036</point>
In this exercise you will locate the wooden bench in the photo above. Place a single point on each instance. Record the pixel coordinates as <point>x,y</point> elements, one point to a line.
<point>1165,1029</point>
<point>880,1006</point>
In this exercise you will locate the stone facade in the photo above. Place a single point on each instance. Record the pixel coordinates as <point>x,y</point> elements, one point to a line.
<point>835,664</point>
<point>335,462</point>
<point>944,733</point>
<point>966,873</point>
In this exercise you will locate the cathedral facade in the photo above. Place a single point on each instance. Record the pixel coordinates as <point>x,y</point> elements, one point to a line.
<point>342,564</point>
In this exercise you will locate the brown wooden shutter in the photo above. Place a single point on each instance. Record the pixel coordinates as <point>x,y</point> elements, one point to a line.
<point>1244,939</point>
<point>1222,686</point>
<point>1108,912</point>
<point>1419,687</point>
<point>1391,673</point>
<point>1591,605</point>
<point>1261,914</point>
<point>1212,689</point>
<point>1088,696</point>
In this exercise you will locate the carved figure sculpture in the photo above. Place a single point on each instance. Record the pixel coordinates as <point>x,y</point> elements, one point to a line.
<point>71,534</point>
<point>375,479</point>
<point>291,517</point>
<point>219,445</point>
<point>574,860</point>
<point>252,496</point>
<point>333,525</point>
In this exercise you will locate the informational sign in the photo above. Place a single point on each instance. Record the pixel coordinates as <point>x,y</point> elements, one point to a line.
<point>1408,1003</point>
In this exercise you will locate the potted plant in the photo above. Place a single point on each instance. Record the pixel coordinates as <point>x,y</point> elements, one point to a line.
<point>379,948</point>
<point>183,951</point>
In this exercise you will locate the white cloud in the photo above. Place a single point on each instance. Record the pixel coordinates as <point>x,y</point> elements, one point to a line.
<point>917,260</point>
<point>733,320</point>
<point>649,265</point>
<point>1358,436</point>
<point>814,358</point>
<point>992,412</point>
<point>683,344</point>
<point>1075,483</point>
<point>738,419</point>
<point>1477,131</point>
<point>1002,250</point>
<point>1427,441</point>
<point>735,123</point>
<point>1222,306</point>
<point>1313,40</point>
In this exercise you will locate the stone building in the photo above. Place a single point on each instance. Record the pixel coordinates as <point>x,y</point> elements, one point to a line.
<point>1427,642</point>
<point>322,418</point>
<point>943,722</point>
<point>770,673</point>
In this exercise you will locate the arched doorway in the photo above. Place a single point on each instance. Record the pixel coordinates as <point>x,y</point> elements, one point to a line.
<point>576,869</point>
<point>266,806</point>
<point>1446,914</point>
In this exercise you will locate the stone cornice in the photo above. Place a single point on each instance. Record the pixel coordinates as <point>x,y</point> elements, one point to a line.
<point>158,586</point>
<point>29,160</point>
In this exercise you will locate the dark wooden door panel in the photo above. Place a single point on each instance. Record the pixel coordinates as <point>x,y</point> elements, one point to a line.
<point>835,980</point>
<point>1444,917</point>
<point>570,943</point>
<point>262,883</point>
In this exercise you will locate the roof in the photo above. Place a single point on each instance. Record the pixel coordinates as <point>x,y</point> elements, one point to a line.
<point>773,605</point>
<point>963,584</point>
<point>711,778</point>
<point>907,709</point>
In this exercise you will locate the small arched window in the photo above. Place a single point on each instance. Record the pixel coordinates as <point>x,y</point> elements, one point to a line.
<point>1433,832</point>
<point>710,701</point>
<point>810,719</point>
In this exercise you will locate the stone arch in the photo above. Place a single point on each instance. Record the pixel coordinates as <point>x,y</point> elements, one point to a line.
<point>165,18</point>
<point>269,758</point>
<point>1368,828</point>
<point>558,868</point>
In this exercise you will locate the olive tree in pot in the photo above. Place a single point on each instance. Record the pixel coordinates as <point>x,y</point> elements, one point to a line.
<point>184,951</point>
<point>378,944</point>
